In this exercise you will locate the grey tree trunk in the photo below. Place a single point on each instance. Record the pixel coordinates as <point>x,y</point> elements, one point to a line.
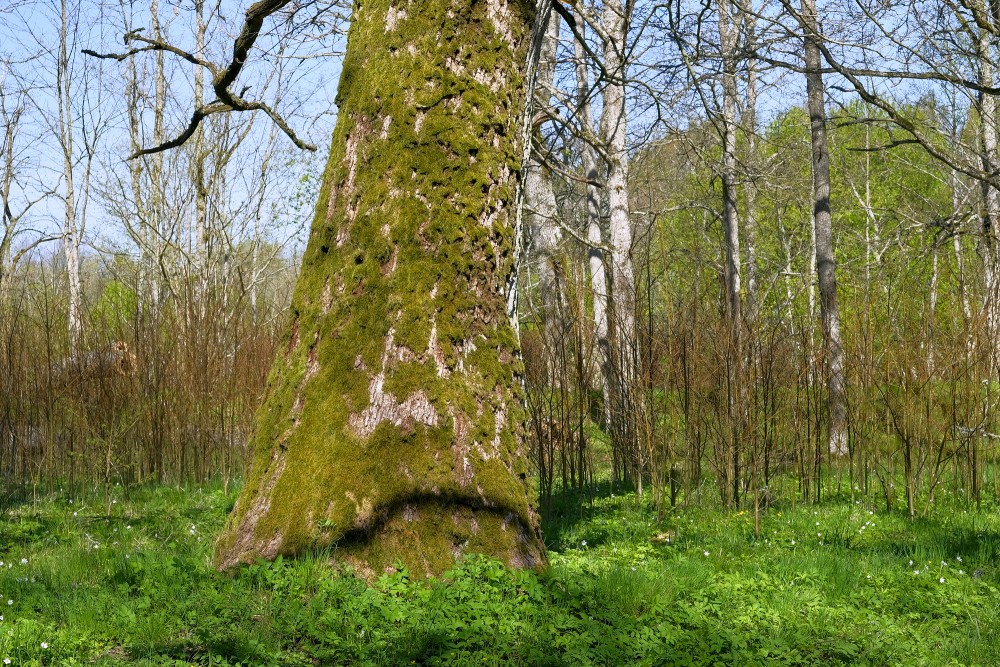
<point>11,116</point>
<point>627,411</point>
<point>736,403</point>
<point>392,423</point>
<point>145,229</point>
<point>199,158</point>
<point>956,240</point>
<point>990,249</point>
<point>595,235</point>
<point>730,215</point>
<point>825,260</point>
<point>540,199</point>
<point>749,122</point>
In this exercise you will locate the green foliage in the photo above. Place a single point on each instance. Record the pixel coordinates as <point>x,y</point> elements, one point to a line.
<point>117,306</point>
<point>824,585</point>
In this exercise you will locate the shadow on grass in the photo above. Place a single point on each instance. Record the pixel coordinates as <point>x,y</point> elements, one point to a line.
<point>932,540</point>
<point>29,526</point>
<point>593,509</point>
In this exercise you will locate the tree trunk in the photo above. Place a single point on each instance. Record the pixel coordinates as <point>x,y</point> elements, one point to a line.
<point>540,199</point>
<point>199,156</point>
<point>991,204</point>
<point>956,241</point>
<point>735,364</point>
<point>392,423</point>
<point>626,410</point>
<point>595,236</point>
<point>8,221</point>
<point>71,232</point>
<point>730,215</point>
<point>825,261</point>
<point>752,173</point>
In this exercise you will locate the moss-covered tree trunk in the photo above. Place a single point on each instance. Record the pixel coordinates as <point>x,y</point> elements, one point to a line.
<point>391,427</point>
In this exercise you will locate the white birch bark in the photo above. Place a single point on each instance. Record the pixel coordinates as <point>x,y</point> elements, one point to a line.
<point>71,232</point>
<point>627,404</point>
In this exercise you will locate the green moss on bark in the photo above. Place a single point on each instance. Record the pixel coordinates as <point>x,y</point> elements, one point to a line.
<point>391,423</point>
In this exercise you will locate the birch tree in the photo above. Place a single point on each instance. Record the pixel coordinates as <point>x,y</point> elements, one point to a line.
<point>65,128</point>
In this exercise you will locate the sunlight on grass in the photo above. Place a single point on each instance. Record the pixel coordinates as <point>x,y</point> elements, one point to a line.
<point>829,584</point>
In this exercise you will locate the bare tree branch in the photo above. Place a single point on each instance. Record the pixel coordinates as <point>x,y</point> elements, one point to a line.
<point>222,79</point>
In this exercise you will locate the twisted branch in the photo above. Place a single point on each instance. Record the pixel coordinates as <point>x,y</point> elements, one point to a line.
<point>222,78</point>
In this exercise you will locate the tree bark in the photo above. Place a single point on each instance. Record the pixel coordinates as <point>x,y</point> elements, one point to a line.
<point>991,203</point>
<point>735,364</point>
<point>199,157</point>
<point>825,261</point>
<point>730,214</point>
<point>626,410</point>
<point>540,199</point>
<point>595,236</point>
<point>8,164</point>
<point>751,174</point>
<point>391,429</point>
<point>71,232</point>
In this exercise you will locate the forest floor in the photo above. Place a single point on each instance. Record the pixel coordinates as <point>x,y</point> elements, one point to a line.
<point>125,578</point>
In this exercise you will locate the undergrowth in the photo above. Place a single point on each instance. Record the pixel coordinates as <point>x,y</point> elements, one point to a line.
<point>126,579</point>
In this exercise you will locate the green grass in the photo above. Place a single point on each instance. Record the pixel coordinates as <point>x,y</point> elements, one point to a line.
<point>126,579</point>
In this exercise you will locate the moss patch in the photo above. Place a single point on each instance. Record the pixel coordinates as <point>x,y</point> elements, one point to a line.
<point>398,389</point>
